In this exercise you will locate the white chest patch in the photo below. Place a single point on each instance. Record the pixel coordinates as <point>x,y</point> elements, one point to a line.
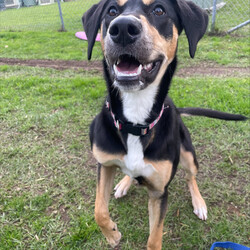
<point>134,164</point>
<point>137,105</point>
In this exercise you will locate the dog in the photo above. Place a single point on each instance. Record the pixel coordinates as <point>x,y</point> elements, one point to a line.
<point>139,129</point>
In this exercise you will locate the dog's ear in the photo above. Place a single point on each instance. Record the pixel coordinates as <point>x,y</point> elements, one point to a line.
<point>91,22</point>
<point>194,20</point>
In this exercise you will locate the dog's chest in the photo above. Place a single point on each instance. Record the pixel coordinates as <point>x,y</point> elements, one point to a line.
<point>131,164</point>
<point>136,108</point>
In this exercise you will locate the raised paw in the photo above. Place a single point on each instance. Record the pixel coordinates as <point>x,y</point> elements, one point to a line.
<point>200,208</point>
<point>123,186</point>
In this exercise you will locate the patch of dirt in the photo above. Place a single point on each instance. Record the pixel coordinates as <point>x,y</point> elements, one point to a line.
<point>201,70</point>
<point>213,70</point>
<point>55,64</point>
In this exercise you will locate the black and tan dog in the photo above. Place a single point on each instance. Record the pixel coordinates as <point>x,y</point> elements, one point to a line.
<point>139,129</point>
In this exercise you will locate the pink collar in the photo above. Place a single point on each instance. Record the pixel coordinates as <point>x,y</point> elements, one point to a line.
<point>130,128</point>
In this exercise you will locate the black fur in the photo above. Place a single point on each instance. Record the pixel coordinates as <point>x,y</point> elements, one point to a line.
<point>212,114</point>
<point>184,14</point>
<point>165,141</point>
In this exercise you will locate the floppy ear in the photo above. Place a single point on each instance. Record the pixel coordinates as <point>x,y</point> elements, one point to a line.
<point>91,22</point>
<point>194,21</point>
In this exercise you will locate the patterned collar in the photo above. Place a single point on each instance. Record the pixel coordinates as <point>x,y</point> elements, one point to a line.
<point>130,128</point>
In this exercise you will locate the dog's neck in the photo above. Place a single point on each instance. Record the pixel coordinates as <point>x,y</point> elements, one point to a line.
<point>138,105</point>
<point>141,107</point>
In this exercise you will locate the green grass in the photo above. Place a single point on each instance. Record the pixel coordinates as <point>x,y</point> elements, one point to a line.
<point>227,50</point>
<point>47,175</point>
<point>231,15</point>
<point>46,17</point>
<point>44,45</point>
<point>65,46</point>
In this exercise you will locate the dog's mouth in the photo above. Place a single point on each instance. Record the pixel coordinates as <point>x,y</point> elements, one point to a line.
<point>127,66</point>
<point>130,73</point>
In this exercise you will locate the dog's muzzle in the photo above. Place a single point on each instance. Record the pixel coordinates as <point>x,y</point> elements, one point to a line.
<point>127,51</point>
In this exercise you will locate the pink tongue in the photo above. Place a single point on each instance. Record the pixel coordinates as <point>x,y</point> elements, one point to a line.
<point>127,67</point>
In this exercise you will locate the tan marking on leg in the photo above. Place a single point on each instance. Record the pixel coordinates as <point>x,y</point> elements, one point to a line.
<point>121,2</point>
<point>106,159</point>
<point>148,2</point>
<point>187,161</point>
<point>157,213</point>
<point>199,205</point>
<point>156,227</point>
<point>104,187</point>
<point>157,210</point>
<point>161,176</point>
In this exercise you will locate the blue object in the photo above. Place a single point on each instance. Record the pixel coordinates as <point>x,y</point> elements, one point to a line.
<point>228,244</point>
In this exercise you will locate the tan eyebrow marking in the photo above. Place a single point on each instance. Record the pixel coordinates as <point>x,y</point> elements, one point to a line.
<point>148,2</point>
<point>121,2</point>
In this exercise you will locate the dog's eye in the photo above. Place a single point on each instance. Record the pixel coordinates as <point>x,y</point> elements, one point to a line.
<point>113,11</point>
<point>159,11</point>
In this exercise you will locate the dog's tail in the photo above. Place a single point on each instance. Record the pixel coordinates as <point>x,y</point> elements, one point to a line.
<point>211,114</point>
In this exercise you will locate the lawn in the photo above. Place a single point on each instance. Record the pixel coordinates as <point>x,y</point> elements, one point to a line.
<point>48,175</point>
<point>47,180</point>
<point>45,17</point>
<point>65,46</point>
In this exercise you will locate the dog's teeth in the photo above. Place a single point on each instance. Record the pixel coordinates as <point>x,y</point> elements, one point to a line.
<point>116,70</point>
<point>118,61</point>
<point>118,73</point>
<point>139,70</point>
<point>148,67</point>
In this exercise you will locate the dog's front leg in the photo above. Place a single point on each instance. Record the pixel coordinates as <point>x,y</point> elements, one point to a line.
<point>104,186</point>
<point>157,207</point>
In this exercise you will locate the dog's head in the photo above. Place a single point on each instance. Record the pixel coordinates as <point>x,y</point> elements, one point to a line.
<point>139,37</point>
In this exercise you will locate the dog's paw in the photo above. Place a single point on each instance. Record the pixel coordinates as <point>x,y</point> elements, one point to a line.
<point>122,187</point>
<point>115,239</point>
<point>200,208</point>
<point>201,213</point>
<point>113,236</point>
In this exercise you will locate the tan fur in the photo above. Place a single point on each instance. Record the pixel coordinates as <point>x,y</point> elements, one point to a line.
<point>160,44</point>
<point>148,2</point>
<point>161,176</point>
<point>187,161</point>
<point>156,226</point>
<point>105,158</point>
<point>121,2</point>
<point>158,180</point>
<point>104,187</point>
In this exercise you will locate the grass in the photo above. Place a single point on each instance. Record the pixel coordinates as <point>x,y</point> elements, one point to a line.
<point>46,17</point>
<point>47,175</point>
<point>44,45</point>
<point>64,46</point>
<point>233,14</point>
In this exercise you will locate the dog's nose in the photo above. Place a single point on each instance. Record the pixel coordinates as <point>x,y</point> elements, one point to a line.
<point>125,30</point>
